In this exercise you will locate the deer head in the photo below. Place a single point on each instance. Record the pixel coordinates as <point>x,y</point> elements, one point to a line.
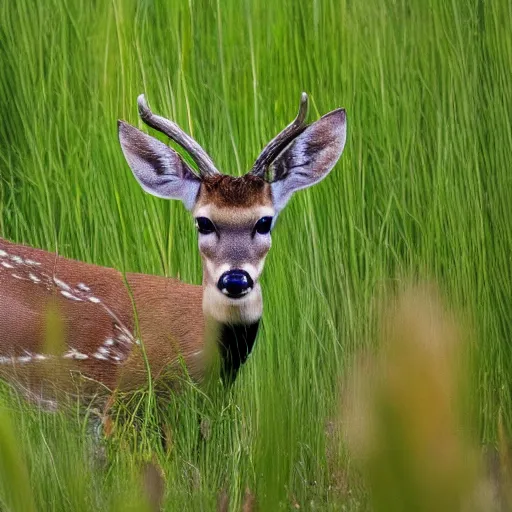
<point>234,215</point>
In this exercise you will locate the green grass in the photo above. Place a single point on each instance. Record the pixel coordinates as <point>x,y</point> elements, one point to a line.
<point>423,191</point>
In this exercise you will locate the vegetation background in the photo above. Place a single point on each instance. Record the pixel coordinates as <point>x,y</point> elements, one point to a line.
<point>422,192</point>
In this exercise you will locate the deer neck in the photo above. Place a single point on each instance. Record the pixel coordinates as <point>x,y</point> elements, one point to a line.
<point>232,325</point>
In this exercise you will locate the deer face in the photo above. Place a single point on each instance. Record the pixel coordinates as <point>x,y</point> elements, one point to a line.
<point>234,215</point>
<point>234,218</point>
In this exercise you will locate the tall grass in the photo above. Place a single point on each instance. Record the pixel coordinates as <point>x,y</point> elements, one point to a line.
<point>422,192</point>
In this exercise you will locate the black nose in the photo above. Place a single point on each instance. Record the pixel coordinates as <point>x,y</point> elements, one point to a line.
<point>235,283</point>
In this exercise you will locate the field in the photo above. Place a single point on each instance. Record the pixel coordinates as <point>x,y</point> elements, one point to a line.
<point>421,194</point>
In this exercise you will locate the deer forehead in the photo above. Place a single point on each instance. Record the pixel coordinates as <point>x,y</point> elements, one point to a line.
<point>234,201</point>
<point>238,191</point>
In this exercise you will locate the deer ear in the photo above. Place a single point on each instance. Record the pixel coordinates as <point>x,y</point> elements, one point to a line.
<point>159,169</point>
<point>309,158</point>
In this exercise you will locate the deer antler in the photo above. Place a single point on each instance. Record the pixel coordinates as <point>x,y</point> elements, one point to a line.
<point>204,163</point>
<point>281,140</point>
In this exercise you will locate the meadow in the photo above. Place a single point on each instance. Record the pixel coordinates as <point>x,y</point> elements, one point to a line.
<point>422,193</point>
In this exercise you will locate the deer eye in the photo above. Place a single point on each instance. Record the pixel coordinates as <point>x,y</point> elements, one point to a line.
<point>204,226</point>
<point>263,225</point>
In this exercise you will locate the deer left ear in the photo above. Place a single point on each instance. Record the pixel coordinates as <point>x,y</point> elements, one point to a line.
<point>309,158</point>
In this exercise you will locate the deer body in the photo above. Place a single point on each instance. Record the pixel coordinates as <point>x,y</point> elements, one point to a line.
<point>97,318</point>
<point>111,326</point>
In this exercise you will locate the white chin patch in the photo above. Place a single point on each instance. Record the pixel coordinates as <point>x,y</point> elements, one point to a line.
<point>245,309</point>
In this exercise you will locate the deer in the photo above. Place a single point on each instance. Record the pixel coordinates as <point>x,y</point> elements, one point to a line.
<point>116,327</point>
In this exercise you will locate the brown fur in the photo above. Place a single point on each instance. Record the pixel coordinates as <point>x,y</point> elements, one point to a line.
<point>159,306</point>
<point>229,191</point>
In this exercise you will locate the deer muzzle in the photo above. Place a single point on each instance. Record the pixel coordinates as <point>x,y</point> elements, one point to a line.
<point>235,283</point>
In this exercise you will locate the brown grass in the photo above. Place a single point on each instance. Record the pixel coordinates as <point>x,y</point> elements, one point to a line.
<point>402,412</point>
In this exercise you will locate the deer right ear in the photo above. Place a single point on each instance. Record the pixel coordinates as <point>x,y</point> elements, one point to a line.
<point>158,168</point>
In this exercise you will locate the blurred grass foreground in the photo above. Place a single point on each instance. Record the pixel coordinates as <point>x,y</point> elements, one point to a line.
<point>404,417</point>
<point>363,392</point>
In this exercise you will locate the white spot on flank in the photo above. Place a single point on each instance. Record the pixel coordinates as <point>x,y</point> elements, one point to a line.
<point>94,299</point>
<point>6,265</point>
<point>16,276</point>
<point>34,278</point>
<point>74,354</point>
<point>32,262</point>
<point>123,338</point>
<point>83,287</point>
<point>70,295</point>
<point>3,254</point>
<point>108,342</point>
<point>61,284</point>
<point>103,350</point>
<point>27,358</point>
<point>17,259</point>
<point>97,355</point>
